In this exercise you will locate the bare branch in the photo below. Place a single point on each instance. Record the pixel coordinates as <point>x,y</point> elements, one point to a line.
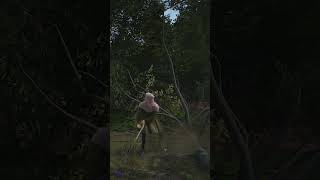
<point>243,131</point>
<point>95,78</point>
<point>79,120</point>
<point>167,114</point>
<point>98,98</point>
<point>134,84</point>
<point>170,116</point>
<point>132,98</point>
<point>183,101</point>
<point>201,112</point>
<point>234,129</point>
<point>100,82</point>
<point>219,69</point>
<point>69,57</point>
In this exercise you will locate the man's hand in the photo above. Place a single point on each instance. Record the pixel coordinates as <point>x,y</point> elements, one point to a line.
<point>140,124</point>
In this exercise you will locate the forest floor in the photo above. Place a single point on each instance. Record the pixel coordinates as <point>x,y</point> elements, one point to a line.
<point>177,162</point>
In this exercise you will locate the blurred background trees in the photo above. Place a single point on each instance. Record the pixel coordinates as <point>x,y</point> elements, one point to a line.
<point>40,139</point>
<point>136,46</point>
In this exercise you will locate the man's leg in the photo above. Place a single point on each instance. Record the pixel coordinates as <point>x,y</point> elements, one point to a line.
<point>143,140</point>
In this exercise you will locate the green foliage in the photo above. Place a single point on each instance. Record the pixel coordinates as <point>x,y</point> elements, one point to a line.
<point>137,29</point>
<point>118,84</point>
<point>121,121</point>
<point>143,82</point>
<point>168,98</point>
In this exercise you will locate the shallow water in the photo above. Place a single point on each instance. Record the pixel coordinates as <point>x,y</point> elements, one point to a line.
<point>177,162</point>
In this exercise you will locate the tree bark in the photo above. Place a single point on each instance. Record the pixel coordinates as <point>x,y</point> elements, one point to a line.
<point>247,172</point>
<point>234,130</point>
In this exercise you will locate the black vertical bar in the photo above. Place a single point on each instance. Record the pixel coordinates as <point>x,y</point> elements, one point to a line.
<point>108,6</point>
<point>211,49</point>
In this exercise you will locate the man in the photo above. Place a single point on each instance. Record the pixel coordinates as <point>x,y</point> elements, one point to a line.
<point>145,117</point>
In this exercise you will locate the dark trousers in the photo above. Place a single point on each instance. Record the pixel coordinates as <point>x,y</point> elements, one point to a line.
<point>143,138</point>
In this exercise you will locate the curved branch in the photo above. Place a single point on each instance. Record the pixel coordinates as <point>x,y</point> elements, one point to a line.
<point>234,128</point>
<point>244,132</point>
<point>201,112</point>
<point>298,155</point>
<point>98,98</point>
<point>170,116</point>
<point>134,84</point>
<point>183,101</point>
<point>69,57</point>
<point>247,171</point>
<point>167,114</point>
<point>95,78</point>
<point>79,120</point>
